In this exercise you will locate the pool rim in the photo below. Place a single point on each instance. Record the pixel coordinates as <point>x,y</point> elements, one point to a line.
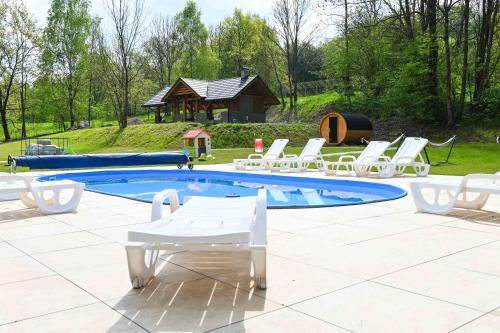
<point>294,177</point>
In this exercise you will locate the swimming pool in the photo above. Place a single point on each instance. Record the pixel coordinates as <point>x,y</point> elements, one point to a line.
<point>282,191</point>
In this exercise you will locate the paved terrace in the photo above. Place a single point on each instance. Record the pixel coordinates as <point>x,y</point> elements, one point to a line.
<point>371,268</point>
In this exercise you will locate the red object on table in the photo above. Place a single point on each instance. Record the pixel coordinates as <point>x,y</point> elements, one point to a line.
<point>259,145</point>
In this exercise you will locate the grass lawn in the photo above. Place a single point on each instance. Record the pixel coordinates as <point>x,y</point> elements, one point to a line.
<point>466,158</point>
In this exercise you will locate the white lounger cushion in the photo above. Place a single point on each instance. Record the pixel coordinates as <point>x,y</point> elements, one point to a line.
<point>202,220</point>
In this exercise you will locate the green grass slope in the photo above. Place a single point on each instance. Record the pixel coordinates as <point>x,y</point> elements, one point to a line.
<point>236,141</point>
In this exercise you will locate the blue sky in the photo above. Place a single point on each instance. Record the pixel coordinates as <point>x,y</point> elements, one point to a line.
<point>213,11</point>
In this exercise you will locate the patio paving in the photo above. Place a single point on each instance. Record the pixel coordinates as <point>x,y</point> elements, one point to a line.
<point>378,267</point>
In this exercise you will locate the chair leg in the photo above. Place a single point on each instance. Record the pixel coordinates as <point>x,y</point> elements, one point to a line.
<point>141,264</point>
<point>53,205</point>
<point>27,200</point>
<point>433,206</point>
<point>477,203</point>
<point>259,266</point>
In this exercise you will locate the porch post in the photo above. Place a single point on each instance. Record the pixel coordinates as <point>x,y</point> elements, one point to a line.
<point>184,102</point>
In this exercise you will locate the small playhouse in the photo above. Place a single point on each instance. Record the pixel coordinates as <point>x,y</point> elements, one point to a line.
<point>338,128</point>
<point>198,142</point>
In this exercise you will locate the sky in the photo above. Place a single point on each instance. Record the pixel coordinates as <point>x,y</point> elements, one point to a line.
<point>213,11</point>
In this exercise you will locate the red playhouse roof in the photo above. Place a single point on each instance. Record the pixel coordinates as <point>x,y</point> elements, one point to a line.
<point>194,133</point>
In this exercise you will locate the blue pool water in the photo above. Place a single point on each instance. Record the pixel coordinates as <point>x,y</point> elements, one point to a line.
<point>282,191</point>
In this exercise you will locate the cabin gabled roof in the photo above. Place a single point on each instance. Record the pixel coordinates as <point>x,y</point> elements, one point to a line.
<point>216,90</point>
<point>156,100</point>
<point>227,88</point>
<point>198,86</point>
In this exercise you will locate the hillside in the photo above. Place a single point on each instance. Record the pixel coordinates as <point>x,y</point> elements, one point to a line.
<point>158,137</point>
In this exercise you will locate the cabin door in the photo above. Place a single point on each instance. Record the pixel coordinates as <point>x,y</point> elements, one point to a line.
<point>333,133</point>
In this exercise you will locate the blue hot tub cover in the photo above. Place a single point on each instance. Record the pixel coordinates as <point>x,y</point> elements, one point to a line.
<point>101,160</point>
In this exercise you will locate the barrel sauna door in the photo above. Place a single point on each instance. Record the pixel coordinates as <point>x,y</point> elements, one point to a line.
<point>333,130</point>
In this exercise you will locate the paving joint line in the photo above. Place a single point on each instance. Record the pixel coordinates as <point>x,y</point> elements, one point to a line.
<point>76,285</point>
<point>474,319</point>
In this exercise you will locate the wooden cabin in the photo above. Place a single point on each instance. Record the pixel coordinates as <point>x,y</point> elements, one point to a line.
<point>245,99</point>
<point>337,128</point>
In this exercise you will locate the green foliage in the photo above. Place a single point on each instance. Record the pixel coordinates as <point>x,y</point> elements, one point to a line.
<point>309,105</point>
<point>65,39</point>
<point>197,60</point>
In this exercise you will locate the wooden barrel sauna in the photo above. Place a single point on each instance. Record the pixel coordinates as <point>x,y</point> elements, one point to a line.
<point>337,128</point>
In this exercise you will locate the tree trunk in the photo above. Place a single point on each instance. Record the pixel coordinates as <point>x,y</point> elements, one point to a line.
<point>3,115</point>
<point>433,58</point>
<point>23,109</point>
<point>465,64</point>
<point>485,39</point>
<point>449,104</point>
<point>71,102</point>
<point>347,74</point>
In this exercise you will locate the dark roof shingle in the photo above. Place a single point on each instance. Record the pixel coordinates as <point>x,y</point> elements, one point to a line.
<point>199,86</point>
<point>208,90</point>
<point>227,88</point>
<point>156,99</point>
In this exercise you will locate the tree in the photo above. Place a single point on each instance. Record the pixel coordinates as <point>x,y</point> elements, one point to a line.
<point>92,57</point>
<point>487,31</point>
<point>120,59</point>
<point>445,10</point>
<point>194,36</point>
<point>65,45</point>
<point>164,48</point>
<point>465,61</point>
<point>290,17</point>
<point>28,40</point>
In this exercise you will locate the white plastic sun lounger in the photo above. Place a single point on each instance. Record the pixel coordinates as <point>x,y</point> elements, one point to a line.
<point>372,153</point>
<point>409,154</point>
<point>259,161</point>
<point>444,196</point>
<point>201,224</point>
<point>40,193</point>
<point>311,154</point>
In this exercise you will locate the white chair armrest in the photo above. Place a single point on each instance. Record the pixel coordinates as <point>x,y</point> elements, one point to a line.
<point>314,157</point>
<point>159,198</point>
<point>384,158</point>
<point>347,157</point>
<point>411,158</point>
<point>260,227</point>
<point>259,156</point>
<point>290,156</point>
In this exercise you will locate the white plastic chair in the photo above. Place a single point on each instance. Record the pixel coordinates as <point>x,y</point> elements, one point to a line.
<point>259,161</point>
<point>35,194</point>
<point>409,154</point>
<point>311,154</point>
<point>441,197</point>
<point>372,153</point>
<point>201,224</point>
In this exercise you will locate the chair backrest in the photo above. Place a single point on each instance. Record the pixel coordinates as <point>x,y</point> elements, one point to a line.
<point>312,149</point>
<point>410,149</point>
<point>373,151</point>
<point>276,149</point>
